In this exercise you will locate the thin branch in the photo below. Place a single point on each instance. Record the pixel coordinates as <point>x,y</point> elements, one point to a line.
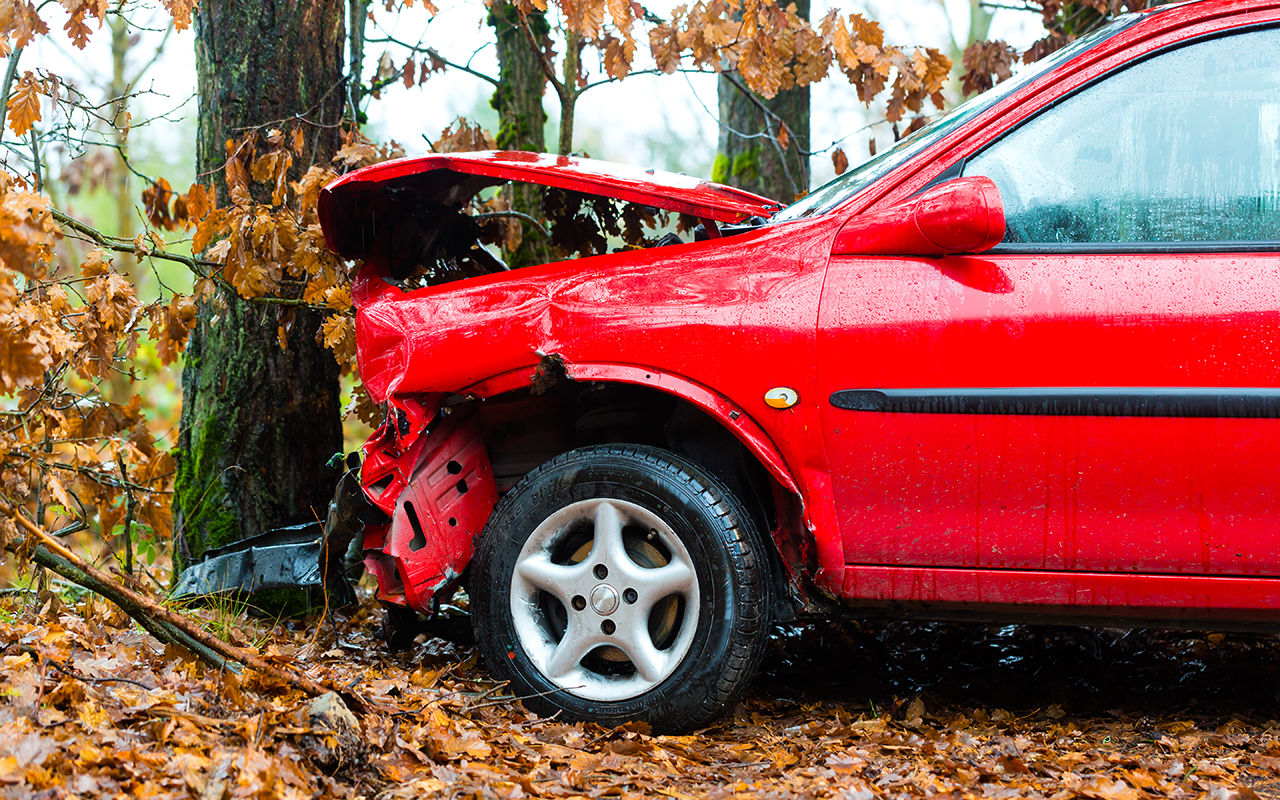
<point>37,166</point>
<point>436,55</point>
<point>9,75</point>
<point>70,673</point>
<point>302,117</point>
<point>137,76</point>
<point>516,215</point>
<point>769,117</point>
<point>131,504</point>
<point>547,67</point>
<point>121,245</point>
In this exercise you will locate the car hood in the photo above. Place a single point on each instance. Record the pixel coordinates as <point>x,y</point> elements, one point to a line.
<point>354,208</point>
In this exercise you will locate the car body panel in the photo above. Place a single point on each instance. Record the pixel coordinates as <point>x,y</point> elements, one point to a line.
<point>1166,512</point>
<point>1129,493</point>
<point>739,316</point>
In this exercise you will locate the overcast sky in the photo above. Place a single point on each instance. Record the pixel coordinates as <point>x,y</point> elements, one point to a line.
<point>649,120</point>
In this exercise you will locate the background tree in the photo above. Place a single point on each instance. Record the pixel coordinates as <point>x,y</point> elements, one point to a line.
<point>260,415</point>
<point>522,120</point>
<point>768,55</point>
<point>764,142</point>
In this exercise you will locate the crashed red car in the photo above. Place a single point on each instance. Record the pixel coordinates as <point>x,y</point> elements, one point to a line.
<point>1026,364</point>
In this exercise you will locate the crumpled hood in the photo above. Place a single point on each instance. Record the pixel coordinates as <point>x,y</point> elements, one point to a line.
<point>354,208</point>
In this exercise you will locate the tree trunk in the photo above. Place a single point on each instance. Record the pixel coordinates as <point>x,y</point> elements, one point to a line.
<point>259,422</point>
<point>569,90</point>
<point>759,163</point>
<point>522,121</point>
<point>357,13</point>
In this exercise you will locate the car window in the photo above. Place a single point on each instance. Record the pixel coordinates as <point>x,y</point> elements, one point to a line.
<point>1181,147</point>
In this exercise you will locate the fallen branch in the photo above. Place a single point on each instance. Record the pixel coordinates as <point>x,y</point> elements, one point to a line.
<point>161,622</point>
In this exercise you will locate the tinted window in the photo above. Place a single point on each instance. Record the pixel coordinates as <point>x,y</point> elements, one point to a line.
<point>1182,147</point>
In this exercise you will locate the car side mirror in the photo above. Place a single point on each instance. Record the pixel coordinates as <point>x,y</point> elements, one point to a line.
<point>963,215</point>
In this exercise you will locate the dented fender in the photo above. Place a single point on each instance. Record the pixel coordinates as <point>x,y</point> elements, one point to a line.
<point>719,323</point>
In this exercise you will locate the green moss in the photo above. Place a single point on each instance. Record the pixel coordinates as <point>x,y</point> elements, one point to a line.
<point>208,519</point>
<point>720,169</point>
<point>746,166</point>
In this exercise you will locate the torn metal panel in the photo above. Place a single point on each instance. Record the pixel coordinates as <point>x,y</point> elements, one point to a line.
<point>285,558</point>
<point>295,557</point>
<point>706,318</point>
<point>444,500</point>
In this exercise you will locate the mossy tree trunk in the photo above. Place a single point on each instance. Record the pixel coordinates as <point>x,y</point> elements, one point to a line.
<point>522,120</point>
<point>750,154</point>
<point>259,422</point>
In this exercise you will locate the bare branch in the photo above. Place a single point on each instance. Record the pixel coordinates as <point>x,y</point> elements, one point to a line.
<point>434,54</point>
<point>9,75</point>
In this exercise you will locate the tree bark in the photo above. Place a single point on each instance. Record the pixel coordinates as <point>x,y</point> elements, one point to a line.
<point>259,422</point>
<point>750,154</point>
<point>522,78</point>
<point>522,121</point>
<point>357,13</point>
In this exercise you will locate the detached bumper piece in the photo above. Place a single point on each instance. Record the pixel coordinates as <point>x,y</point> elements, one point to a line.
<point>280,559</point>
<point>297,557</point>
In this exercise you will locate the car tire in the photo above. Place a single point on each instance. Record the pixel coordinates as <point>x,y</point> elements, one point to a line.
<point>622,582</point>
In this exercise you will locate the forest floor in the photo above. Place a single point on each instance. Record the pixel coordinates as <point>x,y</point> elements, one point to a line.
<point>92,707</point>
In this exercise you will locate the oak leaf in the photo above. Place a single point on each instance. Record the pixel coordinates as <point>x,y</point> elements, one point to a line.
<point>24,104</point>
<point>27,231</point>
<point>22,358</point>
<point>77,30</point>
<point>198,202</point>
<point>171,326</point>
<point>155,201</point>
<point>664,45</point>
<point>180,10</point>
<point>840,161</point>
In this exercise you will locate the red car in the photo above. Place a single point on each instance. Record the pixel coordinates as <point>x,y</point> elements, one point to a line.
<point>1026,364</point>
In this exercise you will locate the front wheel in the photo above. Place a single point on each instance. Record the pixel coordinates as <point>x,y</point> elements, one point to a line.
<point>618,583</point>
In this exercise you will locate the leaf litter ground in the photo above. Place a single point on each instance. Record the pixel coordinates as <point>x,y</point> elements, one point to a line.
<point>92,707</point>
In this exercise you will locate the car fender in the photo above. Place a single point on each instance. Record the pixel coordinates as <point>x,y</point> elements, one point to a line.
<point>422,444</point>
<point>721,408</point>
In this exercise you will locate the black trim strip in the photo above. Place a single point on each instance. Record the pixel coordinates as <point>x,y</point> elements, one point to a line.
<point>1122,248</point>
<point>1090,401</point>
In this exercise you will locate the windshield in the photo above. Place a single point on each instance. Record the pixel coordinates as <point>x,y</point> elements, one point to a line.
<point>832,194</point>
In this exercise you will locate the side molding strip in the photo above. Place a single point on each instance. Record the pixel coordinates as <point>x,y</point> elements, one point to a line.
<point>1092,401</point>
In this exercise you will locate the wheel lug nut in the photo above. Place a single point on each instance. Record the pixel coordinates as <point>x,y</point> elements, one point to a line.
<point>601,571</point>
<point>608,627</point>
<point>630,596</point>
<point>579,603</point>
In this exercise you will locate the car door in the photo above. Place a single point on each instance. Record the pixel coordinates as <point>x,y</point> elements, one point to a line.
<point>1098,393</point>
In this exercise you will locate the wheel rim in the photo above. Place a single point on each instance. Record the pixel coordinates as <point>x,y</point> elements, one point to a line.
<point>604,599</point>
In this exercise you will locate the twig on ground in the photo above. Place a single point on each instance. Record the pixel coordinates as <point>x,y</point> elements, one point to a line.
<point>163,623</point>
